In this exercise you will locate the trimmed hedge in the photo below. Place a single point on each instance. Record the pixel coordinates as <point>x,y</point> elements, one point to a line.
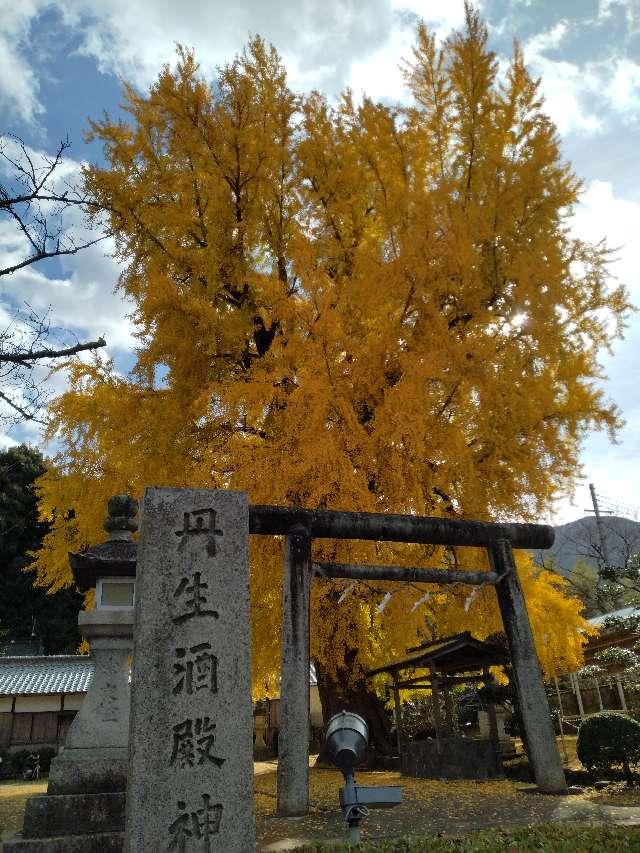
<point>608,740</point>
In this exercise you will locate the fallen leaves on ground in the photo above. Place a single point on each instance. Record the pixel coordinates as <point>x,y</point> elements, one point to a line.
<point>429,807</point>
<point>617,794</point>
<point>549,839</point>
<point>13,796</point>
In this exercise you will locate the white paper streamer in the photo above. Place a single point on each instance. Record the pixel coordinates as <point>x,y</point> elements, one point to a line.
<point>345,592</point>
<point>469,599</point>
<point>384,603</point>
<point>420,601</point>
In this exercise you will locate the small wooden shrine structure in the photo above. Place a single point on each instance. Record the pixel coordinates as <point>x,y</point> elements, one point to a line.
<point>438,666</point>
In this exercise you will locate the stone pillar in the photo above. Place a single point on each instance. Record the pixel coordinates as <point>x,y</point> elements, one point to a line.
<point>293,737</point>
<point>190,784</point>
<point>532,697</point>
<point>84,807</point>
<point>95,755</point>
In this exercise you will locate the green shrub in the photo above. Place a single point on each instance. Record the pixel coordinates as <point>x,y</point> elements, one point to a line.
<point>609,740</point>
<point>15,763</point>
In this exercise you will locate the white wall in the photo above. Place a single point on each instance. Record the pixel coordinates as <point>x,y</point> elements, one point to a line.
<point>315,708</point>
<point>72,701</point>
<point>37,703</point>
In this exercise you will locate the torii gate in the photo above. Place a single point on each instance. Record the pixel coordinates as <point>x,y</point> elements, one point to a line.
<point>301,526</point>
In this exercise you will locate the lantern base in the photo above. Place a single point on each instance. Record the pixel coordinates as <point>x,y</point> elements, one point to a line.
<point>77,771</point>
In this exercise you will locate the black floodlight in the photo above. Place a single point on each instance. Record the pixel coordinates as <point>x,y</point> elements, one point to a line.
<point>347,737</point>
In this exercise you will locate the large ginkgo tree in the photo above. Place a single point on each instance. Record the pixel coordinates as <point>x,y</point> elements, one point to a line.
<point>349,306</point>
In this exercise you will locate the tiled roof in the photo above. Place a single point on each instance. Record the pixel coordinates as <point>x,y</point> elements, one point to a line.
<point>20,676</point>
<point>619,614</point>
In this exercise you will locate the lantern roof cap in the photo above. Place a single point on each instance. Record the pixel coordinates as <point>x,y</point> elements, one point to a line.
<point>117,557</point>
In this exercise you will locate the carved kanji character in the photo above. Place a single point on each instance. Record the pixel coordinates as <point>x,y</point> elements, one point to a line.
<point>205,522</point>
<point>191,738</point>
<point>198,671</point>
<point>200,825</point>
<point>194,589</point>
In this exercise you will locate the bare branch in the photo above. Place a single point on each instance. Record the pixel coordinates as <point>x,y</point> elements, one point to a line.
<point>35,198</point>
<point>27,416</point>
<point>58,251</point>
<point>20,358</point>
<point>35,195</point>
<point>28,346</point>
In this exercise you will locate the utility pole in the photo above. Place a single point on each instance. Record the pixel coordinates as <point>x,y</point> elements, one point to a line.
<point>596,510</point>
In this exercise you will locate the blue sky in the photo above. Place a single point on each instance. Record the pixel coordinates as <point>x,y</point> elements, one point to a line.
<point>62,63</point>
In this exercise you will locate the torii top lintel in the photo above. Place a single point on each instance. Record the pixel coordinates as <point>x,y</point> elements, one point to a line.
<point>335,524</point>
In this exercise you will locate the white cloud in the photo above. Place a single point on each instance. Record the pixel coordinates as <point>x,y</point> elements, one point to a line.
<point>624,87</point>
<point>18,78</point>
<point>379,74</point>
<point>565,85</point>
<point>602,214</point>
<point>6,442</point>
<point>83,302</point>
<point>547,39</point>
<point>79,307</point>
<point>14,246</point>
<point>577,96</point>
<point>629,7</point>
<point>325,45</point>
<point>614,468</point>
<point>320,39</point>
<point>442,16</point>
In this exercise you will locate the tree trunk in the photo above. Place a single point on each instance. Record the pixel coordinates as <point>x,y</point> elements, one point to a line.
<point>338,694</point>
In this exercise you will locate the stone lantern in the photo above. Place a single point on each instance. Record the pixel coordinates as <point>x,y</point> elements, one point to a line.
<point>95,756</point>
<point>84,806</point>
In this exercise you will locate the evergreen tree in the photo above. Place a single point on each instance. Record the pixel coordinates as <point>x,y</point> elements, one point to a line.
<point>25,607</point>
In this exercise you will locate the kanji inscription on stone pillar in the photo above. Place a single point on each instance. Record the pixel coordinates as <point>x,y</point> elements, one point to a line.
<point>191,737</point>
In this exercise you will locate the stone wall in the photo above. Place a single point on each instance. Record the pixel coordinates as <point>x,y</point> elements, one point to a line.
<point>451,758</point>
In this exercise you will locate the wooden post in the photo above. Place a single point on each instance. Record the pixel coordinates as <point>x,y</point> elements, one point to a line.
<point>595,681</point>
<point>397,713</point>
<point>491,714</point>
<point>13,720</point>
<point>560,715</point>
<point>532,698</point>
<point>448,709</point>
<point>493,728</point>
<point>576,690</point>
<point>621,696</point>
<point>435,702</point>
<point>293,736</point>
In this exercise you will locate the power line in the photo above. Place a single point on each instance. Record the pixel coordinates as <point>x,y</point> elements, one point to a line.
<point>612,506</point>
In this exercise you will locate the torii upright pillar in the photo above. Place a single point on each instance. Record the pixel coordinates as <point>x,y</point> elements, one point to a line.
<point>534,704</point>
<point>293,737</point>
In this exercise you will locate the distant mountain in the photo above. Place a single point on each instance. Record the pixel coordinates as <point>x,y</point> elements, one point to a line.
<point>579,540</point>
